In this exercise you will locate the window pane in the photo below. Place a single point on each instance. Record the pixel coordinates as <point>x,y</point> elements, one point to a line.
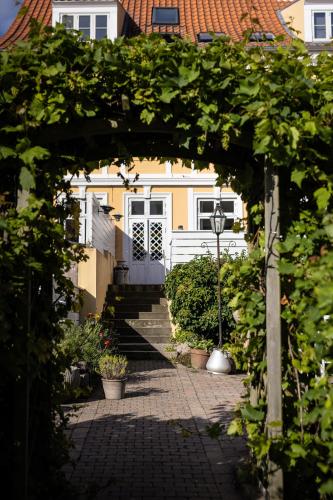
<point>101,33</point>
<point>227,206</point>
<point>84,22</point>
<point>84,26</point>
<point>204,225</point>
<point>101,21</point>
<point>156,207</point>
<point>162,15</point>
<point>137,207</point>
<point>319,25</point>
<point>68,22</point>
<point>206,206</point>
<point>228,223</point>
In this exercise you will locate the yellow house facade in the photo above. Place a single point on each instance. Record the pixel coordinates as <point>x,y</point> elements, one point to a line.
<point>160,219</point>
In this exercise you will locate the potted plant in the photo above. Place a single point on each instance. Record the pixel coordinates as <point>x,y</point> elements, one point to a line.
<point>200,351</point>
<point>113,369</point>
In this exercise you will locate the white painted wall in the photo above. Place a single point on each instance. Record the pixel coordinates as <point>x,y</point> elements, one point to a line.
<point>111,8</point>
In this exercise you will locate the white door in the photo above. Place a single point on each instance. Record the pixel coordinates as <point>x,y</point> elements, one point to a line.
<point>147,238</point>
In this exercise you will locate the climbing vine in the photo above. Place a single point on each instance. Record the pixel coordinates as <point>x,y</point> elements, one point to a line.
<point>63,105</point>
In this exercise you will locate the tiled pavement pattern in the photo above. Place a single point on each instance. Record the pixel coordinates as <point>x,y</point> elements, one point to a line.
<point>135,448</point>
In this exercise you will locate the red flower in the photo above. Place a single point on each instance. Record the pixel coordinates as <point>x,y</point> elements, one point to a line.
<point>107,343</point>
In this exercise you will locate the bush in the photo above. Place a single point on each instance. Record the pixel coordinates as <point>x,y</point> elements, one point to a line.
<point>87,341</point>
<point>192,289</point>
<point>112,366</point>
<point>201,343</point>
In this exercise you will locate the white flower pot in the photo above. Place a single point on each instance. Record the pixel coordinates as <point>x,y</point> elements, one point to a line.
<point>114,389</point>
<point>218,363</point>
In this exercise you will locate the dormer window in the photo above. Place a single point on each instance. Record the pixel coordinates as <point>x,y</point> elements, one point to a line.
<point>322,25</point>
<point>94,26</point>
<point>261,37</point>
<point>165,15</point>
<point>206,37</point>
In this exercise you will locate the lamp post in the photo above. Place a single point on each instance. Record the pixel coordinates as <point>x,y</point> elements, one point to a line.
<point>218,362</point>
<point>217,222</point>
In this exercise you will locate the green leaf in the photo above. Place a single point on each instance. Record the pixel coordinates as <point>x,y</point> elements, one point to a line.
<point>168,94</point>
<point>252,414</point>
<point>262,147</point>
<point>327,488</point>
<point>147,116</point>
<point>298,176</point>
<point>294,133</point>
<point>286,267</point>
<point>329,230</point>
<point>36,153</point>
<point>249,89</point>
<point>187,75</point>
<point>27,181</point>
<point>6,152</point>
<point>322,196</point>
<point>235,428</point>
<point>298,450</point>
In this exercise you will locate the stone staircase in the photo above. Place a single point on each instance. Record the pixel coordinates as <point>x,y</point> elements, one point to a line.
<point>141,320</point>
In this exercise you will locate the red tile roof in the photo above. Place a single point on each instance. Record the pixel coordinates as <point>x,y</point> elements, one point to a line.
<point>232,17</point>
<point>19,29</point>
<point>196,16</point>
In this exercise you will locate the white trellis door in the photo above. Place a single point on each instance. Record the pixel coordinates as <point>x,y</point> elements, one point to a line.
<point>147,238</point>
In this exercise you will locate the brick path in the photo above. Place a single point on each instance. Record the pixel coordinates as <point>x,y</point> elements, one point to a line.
<point>133,450</point>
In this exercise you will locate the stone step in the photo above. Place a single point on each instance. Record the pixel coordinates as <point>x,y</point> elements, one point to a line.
<point>141,315</point>
<point>136,288</point>
<point>130,308</point>
<point>136,323</point>
<point>136,347</point>
<point>145,332</point>
<point>140,339</point>
<point>144,355</point>
<point>136,300</point>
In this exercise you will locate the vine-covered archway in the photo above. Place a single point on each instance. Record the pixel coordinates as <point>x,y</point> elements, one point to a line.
<point>67,104</point>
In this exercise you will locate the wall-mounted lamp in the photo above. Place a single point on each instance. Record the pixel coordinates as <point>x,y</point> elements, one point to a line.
<point>106,209</point>
<point>117,217</point>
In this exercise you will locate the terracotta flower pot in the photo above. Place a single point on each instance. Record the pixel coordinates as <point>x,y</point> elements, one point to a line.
<point>114,389</point>
<point>199,358</point>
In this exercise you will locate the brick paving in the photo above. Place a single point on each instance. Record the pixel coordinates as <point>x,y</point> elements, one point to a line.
<point>135,448</point>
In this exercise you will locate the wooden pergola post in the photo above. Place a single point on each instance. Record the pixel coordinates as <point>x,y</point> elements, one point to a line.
<point>273,323</point>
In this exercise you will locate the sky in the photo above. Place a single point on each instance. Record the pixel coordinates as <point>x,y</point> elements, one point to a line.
<point>8,10</point>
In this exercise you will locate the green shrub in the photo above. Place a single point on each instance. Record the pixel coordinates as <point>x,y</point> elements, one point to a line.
<point>201,343</point>
<point>113,366</point>
<point>192,289</point>
<point>87,341</point>
<point>182,337</point>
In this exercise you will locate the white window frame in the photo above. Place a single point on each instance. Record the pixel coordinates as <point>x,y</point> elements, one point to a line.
<point>92,15</point>
<point>316,7</point>
<point>225,196</point>
<point>147,207</point>
<point>328,24</point>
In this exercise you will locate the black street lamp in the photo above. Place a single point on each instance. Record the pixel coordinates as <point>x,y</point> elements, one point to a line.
<point>218,362</point>
<point>217,222</point>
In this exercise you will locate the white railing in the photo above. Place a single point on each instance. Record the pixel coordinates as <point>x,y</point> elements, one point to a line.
<point>185,245</point>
